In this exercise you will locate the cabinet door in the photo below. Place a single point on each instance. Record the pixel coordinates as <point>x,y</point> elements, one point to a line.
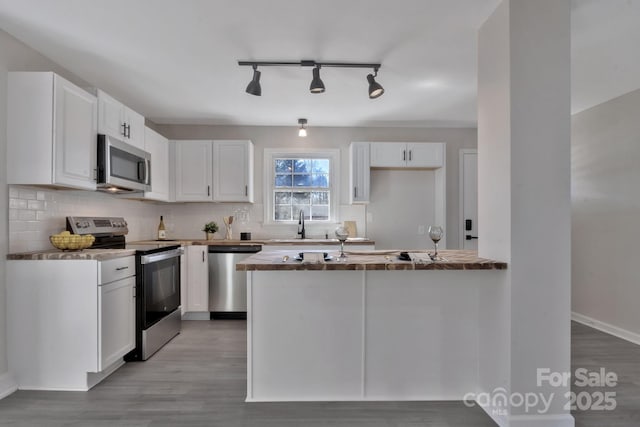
<point>110,116</point>
<point>75,117</point>
<point>425,155</point>
<point>233,171</point>
<point>197,278</point>
<point>388,154</point>
<point>158,146</point>
<point>193,179</point>
<point>117,320</point>
<point>135,128</point>
<point>360,172</point>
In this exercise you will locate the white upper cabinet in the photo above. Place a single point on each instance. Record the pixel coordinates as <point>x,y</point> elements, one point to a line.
<point>233,171</point>
<point>119,121</point>
<point>410,155</point>
<point>359,173</point>
<point>51,131</point>
<point>193,171</point>
<point>158,146</point>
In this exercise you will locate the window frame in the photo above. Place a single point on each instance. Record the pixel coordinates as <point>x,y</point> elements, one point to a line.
<point>270,154</point>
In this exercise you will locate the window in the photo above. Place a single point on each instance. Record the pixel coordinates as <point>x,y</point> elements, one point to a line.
<point>300,181</point>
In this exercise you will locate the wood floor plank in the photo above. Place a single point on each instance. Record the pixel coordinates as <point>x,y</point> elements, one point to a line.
<point>199,379</point>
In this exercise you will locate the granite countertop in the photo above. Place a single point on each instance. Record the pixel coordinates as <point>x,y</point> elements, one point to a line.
<point>281,242</point>
<point>370,260</point>
<point>56,254</point>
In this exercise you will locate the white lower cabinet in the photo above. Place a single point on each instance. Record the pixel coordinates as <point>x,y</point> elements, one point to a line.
<point>197,287</point>
<point>69,322</point>
<point>117,325</point>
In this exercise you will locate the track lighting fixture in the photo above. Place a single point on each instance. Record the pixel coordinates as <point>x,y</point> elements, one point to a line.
<point>253,87</point>
<point>303,130</point>
<point>317,85</point>
<point>375,89</point>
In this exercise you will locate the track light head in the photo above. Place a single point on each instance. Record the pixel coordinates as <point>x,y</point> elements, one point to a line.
<point>375,89</point>
<point>317,86</point>
<point>253,88</point>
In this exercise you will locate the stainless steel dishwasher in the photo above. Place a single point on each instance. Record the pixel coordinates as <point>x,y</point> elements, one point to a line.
<point>228,287</point>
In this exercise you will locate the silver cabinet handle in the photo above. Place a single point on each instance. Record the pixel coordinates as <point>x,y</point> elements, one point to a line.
<point>121,268</point>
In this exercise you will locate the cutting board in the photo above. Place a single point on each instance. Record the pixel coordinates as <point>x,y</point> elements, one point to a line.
<point>351,228</point>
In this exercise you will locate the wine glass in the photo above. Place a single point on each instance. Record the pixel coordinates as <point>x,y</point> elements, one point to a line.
<point>435,233</point>
<point>342,234</point>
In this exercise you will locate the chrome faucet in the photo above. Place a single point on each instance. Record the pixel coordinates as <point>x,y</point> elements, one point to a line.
<point>301,224</point>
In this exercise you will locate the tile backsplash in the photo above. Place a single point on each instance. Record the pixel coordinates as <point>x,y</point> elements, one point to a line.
<point>36,213</point>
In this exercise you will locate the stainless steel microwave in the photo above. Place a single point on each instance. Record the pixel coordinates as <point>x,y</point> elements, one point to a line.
<point>122,168</point>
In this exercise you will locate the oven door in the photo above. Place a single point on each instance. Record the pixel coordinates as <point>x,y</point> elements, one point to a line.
<point>160,285</point>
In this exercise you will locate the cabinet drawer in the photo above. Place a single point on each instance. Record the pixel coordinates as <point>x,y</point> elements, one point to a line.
<point>116,269</point>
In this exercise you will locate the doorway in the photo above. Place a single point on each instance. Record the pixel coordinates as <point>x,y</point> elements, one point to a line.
<point>468,227</point>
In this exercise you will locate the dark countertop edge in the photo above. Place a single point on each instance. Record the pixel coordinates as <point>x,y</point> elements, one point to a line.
<point>269,242</point>
<point>85,254</point>
<point>396,266</point>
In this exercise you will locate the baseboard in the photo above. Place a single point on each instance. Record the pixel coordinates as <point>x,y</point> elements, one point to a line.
<point>196,315</point>
<point>7,385</point>
<point>606,328</point>
<point>560,420</point>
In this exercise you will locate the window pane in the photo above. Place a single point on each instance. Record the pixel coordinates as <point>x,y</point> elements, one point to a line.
<point>321,166</point>
<point>283,197</point>
<point>283,166</point>
<point>296,211</point>
<point>302,166</point>
<point>283,213</point>
<point>320,212</point>
<point>301,198</point>
<point>320,198</point>
<point>320,180</point>
<point>283,180</point>
<point>301,180</point>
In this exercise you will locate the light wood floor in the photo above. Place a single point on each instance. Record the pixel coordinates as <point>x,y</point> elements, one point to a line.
<point>199,379</point>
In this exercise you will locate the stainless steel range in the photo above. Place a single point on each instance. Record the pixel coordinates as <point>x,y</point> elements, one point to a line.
<point>158,314</point>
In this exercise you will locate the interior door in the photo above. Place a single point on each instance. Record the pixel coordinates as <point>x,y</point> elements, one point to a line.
<point>469,199</point>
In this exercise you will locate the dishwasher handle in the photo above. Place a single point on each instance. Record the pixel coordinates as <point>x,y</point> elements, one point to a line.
<point>234,249</point>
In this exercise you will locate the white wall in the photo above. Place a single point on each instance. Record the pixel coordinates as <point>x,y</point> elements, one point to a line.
<point>605,201</point>
<point>524,199</point>
<point>278,137</point>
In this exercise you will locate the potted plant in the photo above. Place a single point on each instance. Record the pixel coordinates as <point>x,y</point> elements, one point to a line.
<point>210,228</point>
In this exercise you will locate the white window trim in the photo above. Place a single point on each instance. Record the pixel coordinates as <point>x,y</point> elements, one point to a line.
<point>332,154</point>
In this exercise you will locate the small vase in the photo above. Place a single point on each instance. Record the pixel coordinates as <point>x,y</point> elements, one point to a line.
<point>210,236</point>
<point>229,235</point>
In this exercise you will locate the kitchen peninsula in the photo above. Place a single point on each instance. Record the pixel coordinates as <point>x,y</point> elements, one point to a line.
<point>371,327</point>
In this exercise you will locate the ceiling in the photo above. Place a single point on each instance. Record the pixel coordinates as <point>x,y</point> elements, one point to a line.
<point>175,61</point>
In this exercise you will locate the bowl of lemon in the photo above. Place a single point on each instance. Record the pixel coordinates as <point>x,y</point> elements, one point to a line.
<point>71,242</point>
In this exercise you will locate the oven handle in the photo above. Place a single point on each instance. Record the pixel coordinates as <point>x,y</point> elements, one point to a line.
<point>149,259</point>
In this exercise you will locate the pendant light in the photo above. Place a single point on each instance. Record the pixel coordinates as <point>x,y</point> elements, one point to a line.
<point>253,88</point>
<point>317,86</point>
<point>303,130</point>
